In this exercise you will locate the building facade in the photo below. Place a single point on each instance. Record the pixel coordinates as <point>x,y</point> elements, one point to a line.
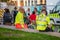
<point>28,2</point>
<point>34,2</point>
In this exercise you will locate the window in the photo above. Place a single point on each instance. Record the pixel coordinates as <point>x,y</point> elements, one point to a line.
<point>4,0</point>
<point>21,3</point>
<point>40,1</point>
<point>28,2</point>
<point>32,3</point>
<point>35,2</point>
<point>25,3</point>
<point>21,0</point>
<point>43,1</point>
<point>58,7</point>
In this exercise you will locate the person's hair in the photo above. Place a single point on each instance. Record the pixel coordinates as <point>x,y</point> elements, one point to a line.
<point>15,7</point>
<point>28,14</point>
<point>21,9</point>
<point>35,8</point>
<point>28,8</point>
<point>7,10</point>
<point>44,11</point>
<point>33,12</point>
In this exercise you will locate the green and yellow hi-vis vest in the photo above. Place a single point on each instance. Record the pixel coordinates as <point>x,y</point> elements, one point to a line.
<point>19,18</point>
<point>54,15</point>
<point>42,21</point>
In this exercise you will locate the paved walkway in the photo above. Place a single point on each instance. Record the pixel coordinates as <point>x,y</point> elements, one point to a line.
<point>31,30</point>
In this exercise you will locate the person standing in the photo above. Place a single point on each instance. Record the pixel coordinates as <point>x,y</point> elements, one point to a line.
<point>15,11</point>
<point>7,17</point>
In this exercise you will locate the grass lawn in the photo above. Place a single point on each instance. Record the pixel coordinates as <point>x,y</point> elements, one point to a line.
<point>8,34</point>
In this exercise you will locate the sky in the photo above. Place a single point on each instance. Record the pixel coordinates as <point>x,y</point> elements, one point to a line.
<point>51,4</point>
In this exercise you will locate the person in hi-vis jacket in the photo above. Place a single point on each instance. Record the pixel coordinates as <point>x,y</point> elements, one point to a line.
<point>43,21</point>
<point>19,21</point>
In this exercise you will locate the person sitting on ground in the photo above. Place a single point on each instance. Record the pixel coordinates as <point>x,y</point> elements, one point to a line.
<point>19,20</point>
<point>43,22</point>
<point>33,19</point>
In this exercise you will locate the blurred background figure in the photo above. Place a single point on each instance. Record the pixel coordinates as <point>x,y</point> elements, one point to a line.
<point>14,13</point>
<point>36,11</point>
<point>1,16</point>
<point>28,12</point>
<point>27,16</point>
<point>7,17</point>
<point>33,19</point>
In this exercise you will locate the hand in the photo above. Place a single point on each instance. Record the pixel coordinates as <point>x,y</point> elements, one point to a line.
<point>50,25</point>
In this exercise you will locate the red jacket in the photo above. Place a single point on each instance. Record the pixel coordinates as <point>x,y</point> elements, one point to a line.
<point>32,17</point>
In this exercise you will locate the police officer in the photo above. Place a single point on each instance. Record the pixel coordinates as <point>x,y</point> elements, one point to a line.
<point>43,21</point>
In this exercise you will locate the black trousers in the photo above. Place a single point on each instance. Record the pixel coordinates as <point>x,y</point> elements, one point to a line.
<point>49,29</point>
<point>46,30</point>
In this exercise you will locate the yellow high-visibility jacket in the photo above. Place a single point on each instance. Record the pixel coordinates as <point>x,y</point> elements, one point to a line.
<point>19,18</point>
<point>42,21</point>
